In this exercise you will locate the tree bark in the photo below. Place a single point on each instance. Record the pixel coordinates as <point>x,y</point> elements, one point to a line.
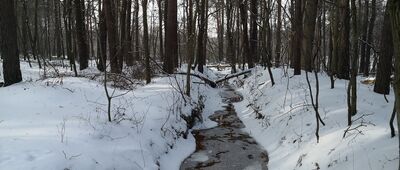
<point>146,42</point>
<point>278,34</point>
<point>112,34</point>
<point>81,34</point>
<point>245,33</point>
<point>171,37</point>
<point>191,22</point>
<point>343,61</point>
<point>311,8</point>
<point>370,38</point>
<point>384,71</point>
<point>298,37</point>
<point>364,35</point>
<point>9,44</point>
<point>394,10</point>
<point>352,89</point>
<point>253,54</point>
<point>102,38</point>
<point>200,38</point>
<point>230,51</point>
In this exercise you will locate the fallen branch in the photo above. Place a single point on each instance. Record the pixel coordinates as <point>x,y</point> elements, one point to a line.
<point>205,79</point>
<point>229,76</point>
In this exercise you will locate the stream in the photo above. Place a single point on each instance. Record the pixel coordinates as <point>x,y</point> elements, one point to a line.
<point>226,146</point>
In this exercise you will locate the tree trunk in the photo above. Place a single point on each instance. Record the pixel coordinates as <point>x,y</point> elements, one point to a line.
<point>220,28</point>
<point>311,8</point>
<point>160,29</point>
<point>343,61</point>
<point>384,71</point>
<point>253,55</point>
<point>191,22</point>
<point>245,32</point>
<point>25,32</point>
<point>278,34</point>
<point>112,34</point>
<point>57,31</point>
<point>137,55</point>
<point>123,36</point>
<point>352,89</point>
<point>81,34</point>
<point>230,50</point>
<point>9,44</point>
<point>364,35</point>
<point>200,38</point>
<point>370,38</point>
<point>394,10</point>
<point>298,37</point>
<point>146,42</point>
<point>171,37</point>
<point>102,38</point>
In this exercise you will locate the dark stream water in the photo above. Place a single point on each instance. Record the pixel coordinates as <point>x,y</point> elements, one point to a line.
<point>226,146</point>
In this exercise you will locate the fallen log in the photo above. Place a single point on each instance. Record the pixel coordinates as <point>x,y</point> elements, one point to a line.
<point>205,79</point>
<point>212,83</point>
<point>229,76</point>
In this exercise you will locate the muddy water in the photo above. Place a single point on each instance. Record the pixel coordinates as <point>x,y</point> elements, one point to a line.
<point>226,146</point>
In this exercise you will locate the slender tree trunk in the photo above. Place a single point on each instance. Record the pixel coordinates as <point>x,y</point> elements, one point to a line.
<point>230,50</point>
<point>35,44</point>
<point>160,29</point>
<point>253,55</point>
<point>370,38</point>
<point>25,32</point>
<point>57,32</point>
<point>200,38</point>
<point>311,8</point>
<point>278,34</point>
<point>102,38</point>
<point>364,35</point>
<point>352,89</point>
<point>146,42</point>
<point>191,22</point>
<point>123,36</point>
<point>245,32</point>
<point>298,37</point>
<point>81,34</point>
<point>137,38</point>
<point>112,35</point>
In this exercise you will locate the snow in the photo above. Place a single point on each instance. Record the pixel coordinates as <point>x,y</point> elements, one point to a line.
<point>287,130</point>
<point>61,123</point>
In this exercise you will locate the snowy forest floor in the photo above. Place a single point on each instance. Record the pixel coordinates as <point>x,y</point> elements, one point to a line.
<point>288,125</point>
<point>60,122</point>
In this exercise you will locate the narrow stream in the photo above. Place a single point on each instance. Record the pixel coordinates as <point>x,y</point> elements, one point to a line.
<point>226,146</point>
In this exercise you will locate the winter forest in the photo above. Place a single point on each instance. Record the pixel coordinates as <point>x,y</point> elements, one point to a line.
<point>199,84</point>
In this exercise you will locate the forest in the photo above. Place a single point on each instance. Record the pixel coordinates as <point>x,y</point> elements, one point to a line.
<point>199,84</point>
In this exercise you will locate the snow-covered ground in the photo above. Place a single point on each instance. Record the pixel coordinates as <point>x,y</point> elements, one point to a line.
<point>287,131</point>
<point>61,123</point>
